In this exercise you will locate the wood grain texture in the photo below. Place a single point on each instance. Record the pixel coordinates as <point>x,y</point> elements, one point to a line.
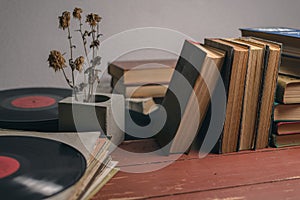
<point>284,189</point>
<point>230,176</point>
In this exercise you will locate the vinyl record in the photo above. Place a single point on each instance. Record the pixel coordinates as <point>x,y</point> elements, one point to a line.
<point>35,168</point>
<point>31,108</point>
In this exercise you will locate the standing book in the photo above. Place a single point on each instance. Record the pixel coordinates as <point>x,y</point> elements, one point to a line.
<point>235,67</point>
<point>269,82</point>
<point>181,128</point>
<point>252,93</point>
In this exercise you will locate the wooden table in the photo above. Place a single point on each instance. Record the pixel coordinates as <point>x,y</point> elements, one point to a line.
<point>264,174</point>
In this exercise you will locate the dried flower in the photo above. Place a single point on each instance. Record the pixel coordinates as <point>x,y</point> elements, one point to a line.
<point>93,19</point>
<point>79,63</point>
<point>77,13</point>
<point>56,60</point>
<point>64,20</point>
<point>97,18</point>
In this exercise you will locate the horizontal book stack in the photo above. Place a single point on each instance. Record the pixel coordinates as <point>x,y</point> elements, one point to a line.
<point>139,79</point>
<point>287,112</point>
<point>144,84</point>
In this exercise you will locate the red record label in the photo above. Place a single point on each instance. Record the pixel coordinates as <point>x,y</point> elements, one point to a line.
<point>33,102</point>
<point>8,166</point>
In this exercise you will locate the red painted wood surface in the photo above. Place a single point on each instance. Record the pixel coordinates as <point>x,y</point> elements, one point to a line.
<point>280,190</point>
<point>244,175</point>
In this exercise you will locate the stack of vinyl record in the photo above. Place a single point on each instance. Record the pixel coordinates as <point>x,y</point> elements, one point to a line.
<point>100,169</point>
<point>35,165</point>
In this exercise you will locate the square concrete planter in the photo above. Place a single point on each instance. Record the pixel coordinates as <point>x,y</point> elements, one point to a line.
<point>107,115</point>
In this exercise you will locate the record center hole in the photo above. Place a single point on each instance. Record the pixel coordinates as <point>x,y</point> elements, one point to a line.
<point>101,98</point>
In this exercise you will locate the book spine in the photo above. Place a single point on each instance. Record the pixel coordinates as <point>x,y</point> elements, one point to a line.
<point>226,77</point>
<point>115,71</point>
<point>262,89</point>
<point>281,85</point>
<point>273,140</point>
<point>274,104</point>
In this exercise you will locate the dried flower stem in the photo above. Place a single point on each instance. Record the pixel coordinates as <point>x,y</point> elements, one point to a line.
<point>93,36</point>
<point>70,42</point>
<point>57,61</point>
<point>71,63</point>
<point>68,81</point>
<point>74,88</point>
<point>92,73</point>
<point>84,42</point>
<point>98,31</point>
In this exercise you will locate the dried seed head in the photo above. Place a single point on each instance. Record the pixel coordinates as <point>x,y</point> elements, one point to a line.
<point>64,20</point>
<point>77,13</point>
<point>79,63</point>
<point>56,60</point>
<point>97,18</point>
<point>93,19</point>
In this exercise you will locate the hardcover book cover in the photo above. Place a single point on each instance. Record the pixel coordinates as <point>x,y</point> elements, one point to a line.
<point>289,37</point>
<point>186,107</point>
<point>226,73</point>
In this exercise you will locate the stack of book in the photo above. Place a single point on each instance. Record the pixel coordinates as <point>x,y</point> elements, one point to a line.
<point>286,129</point>
<point>138,79</point>
<point>287,112</point>
<point>251,84</point>
<point>249,69</point>
<point>143,84</point>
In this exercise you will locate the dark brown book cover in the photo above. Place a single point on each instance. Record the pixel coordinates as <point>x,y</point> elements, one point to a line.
<point>252,93</point>
<point>182,124</point>
<point>170,103</point>
<point>233,77</point>
<point>267,94</point>
<point>290,66</point>
<point>285,140</point>
<point>225,73</point>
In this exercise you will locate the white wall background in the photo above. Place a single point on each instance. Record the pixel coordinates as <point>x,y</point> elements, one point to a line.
<point>29,28</point>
